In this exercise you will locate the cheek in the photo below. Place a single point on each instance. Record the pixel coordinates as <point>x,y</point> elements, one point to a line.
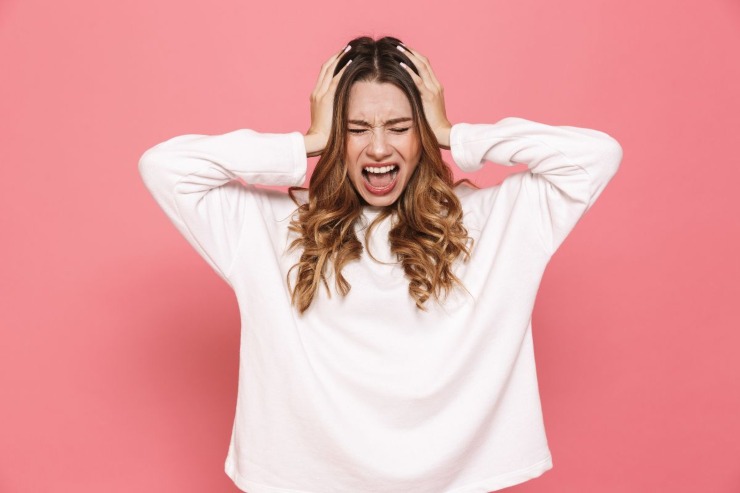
<point>350,157</point>
<point>413,150</point>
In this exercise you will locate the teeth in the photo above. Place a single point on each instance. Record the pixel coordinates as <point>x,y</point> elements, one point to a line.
<point>384,169</point>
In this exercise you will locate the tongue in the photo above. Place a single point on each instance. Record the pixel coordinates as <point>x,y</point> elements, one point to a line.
<point>379,180</point>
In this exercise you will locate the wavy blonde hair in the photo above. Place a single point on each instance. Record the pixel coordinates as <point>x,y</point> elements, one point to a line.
<point>427,234</point>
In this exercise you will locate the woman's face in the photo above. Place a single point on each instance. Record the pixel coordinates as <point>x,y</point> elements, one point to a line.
<point>381,137</point>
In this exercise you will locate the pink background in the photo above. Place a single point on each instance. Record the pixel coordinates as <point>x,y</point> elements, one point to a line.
<point>119,349</point>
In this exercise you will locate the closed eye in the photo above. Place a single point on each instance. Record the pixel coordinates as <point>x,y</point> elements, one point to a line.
<point>396,130</point>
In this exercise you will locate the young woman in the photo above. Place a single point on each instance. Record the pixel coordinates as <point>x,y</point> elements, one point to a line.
<point>385,310</point>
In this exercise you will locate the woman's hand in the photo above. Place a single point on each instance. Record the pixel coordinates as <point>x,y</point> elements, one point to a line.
<point>432,95</point>
<point>322,102</point>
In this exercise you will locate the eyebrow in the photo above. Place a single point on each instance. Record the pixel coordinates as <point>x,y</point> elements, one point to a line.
<point>389,122</point>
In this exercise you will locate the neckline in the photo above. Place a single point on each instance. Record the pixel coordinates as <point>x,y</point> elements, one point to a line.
<point>372,210</point>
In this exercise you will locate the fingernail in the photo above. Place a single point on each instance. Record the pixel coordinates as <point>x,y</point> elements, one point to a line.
<point>347,48</point>
<point>400,48</point>
<point>403,64</point>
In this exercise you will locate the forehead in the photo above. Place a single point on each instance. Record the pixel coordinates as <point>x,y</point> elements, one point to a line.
<point>373,101</point>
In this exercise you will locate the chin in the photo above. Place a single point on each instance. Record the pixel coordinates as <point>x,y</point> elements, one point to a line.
<point>384,201</point>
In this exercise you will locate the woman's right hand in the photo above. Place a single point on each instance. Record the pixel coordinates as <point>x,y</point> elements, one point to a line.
<point>322,102</point>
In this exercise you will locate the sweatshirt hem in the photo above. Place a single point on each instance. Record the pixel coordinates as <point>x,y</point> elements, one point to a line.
<point>487,485</point>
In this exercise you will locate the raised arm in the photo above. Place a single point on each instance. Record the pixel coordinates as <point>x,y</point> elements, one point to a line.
<point>569,167</point>
<point>204,184</point>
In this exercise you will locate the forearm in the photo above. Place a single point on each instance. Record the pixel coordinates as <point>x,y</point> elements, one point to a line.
<point>202,162</point>
<point>557,153</point>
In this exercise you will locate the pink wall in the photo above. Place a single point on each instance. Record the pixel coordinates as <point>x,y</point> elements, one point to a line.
<point>119,349</point>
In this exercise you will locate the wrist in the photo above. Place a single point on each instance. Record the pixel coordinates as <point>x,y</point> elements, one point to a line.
<point>443,136</point>
<point>314,143</point>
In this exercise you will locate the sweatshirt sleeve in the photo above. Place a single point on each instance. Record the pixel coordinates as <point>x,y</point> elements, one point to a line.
<point>203,183</point>
<point>569,167</point>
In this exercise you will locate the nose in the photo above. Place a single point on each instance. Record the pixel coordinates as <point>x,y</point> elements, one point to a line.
<point>379,146</point>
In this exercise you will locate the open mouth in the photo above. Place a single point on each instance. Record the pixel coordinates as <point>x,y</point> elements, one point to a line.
<point>380,178</point>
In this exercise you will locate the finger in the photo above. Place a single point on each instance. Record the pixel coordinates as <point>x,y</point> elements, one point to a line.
<point>425,68</point>
<point>320,84</point>
<point>336,56</point>
<point>422,80</point>
<point>418,80</point>
<point>328,74</point>
<point>336,78</point>
<point>415,53</point>
<point>422,63</point>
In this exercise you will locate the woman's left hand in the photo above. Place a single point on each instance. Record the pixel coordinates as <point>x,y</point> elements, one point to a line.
<point>432,95</point>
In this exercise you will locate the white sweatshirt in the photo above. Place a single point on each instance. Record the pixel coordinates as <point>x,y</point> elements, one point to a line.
<point>367,394</point>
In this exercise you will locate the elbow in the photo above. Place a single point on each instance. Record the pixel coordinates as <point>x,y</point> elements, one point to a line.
<point>145,164</point>
<point>155,156</point>
<point>610,154</point>
<point>148,165</point>
<point>613,155</point>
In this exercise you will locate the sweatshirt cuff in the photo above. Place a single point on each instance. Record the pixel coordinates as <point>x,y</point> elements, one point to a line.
<point>464,160</point>
<point>300,158</point>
